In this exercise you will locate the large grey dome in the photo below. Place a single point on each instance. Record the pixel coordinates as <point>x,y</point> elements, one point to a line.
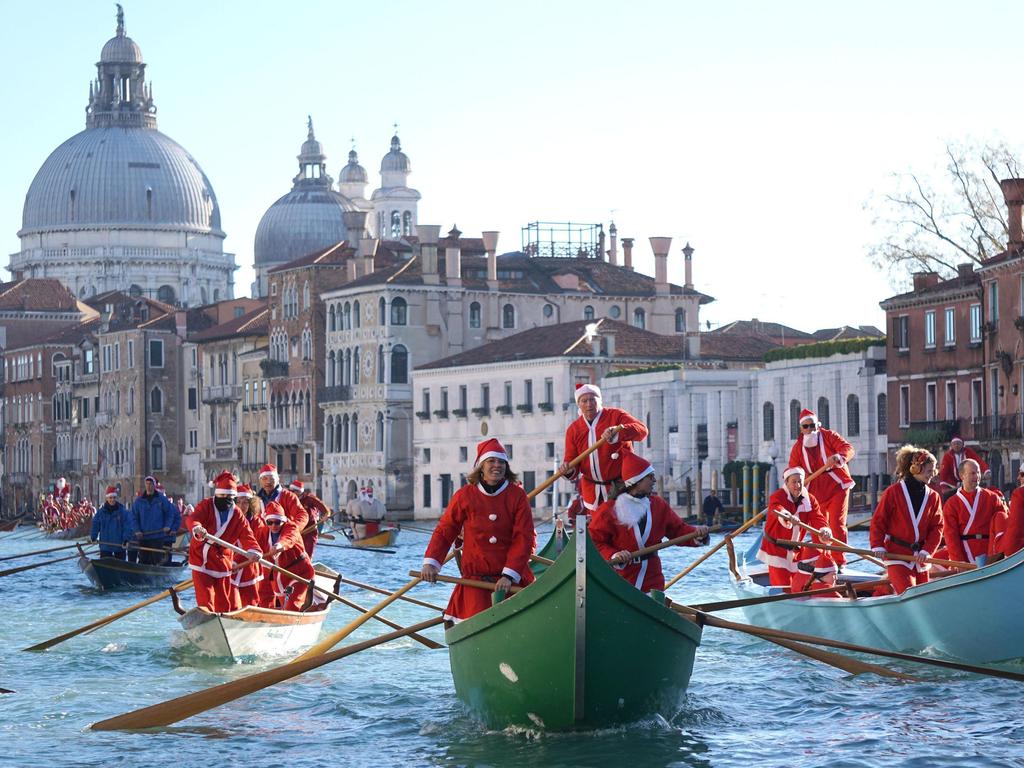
<point>120,177</point>
<point>305,220</point>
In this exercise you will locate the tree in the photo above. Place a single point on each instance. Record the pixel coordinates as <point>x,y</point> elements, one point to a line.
<point>933,224</point>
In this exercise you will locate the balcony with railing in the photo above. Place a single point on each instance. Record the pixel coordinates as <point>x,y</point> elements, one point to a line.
<point>104,418</point>
<point>1002,426</point>
<point>274,369</point>
<point>334,394</point>
<point>222,393</point>
<point>17,478</point>
<point>937,431</point>
<point>68,467</point>
<point>286,436</point>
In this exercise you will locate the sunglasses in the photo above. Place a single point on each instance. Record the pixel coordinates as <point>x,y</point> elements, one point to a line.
<point>275,522</point>
<point>806,426</point>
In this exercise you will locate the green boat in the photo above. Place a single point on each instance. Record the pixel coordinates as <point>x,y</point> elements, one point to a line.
<point>580,648</point>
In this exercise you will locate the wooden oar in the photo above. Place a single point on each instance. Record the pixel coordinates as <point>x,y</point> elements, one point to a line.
<point>778,634</point>
<point>845,663</point>
<point>381,591</point>
<point>541,560</point>
<point>11,571</point>
<point>664,545</point>
<point>488,585</point>
<point>175,710</point>
<point>361,549</point>
<point>724,605</point>
<point>728,537</point>
<point>866,553</point>
<point>38,552</point>
<point>804,526</point>
<point>109,619</point>
<point>311,583</point>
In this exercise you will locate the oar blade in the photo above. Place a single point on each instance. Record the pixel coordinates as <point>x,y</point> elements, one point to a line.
<point>845,663</point>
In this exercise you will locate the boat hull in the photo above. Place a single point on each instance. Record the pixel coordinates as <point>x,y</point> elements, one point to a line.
<point>111,573</point>
<point>536,660</point>
<point>385,538</point>
<point>79,531</point>
<point>971,616</point>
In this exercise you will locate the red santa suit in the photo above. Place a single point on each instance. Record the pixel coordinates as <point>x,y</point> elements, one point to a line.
<point>289,501</point>
<point>629,523</point>
<point>1013,539</point>
<point>949,468</point>
<point>316,511</point>
<point>899,528</point>
<point>247,578</point>
<point>283,547</point>
<point>996,531</point>
<point>603,466</point>
<point>498,537</point>
<point>793,568</point>
<point>966,520</point>
<point>831,488</point>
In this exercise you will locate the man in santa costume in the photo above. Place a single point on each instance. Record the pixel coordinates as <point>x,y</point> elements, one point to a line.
<point>282,545</point>
<point>602,469</point>
<point>211,564</point>
<point>949,469</point>
<point>795,568</point>
<point>248,575</point>
<point>315,509</point>
<point>1013,536</point>
<point>493,516</point>
<point>819,447</point>
<point>636,519</point>
<point>271,490</point>
<point>967,516</point>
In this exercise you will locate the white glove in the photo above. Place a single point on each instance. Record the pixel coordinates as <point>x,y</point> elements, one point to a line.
<point>825,534</point>
<point>254,554</point>
<point>922,555</point>
<point>198,532</point>
<point>278,548</point>
<point>839,459</point>
<point>878,551</point>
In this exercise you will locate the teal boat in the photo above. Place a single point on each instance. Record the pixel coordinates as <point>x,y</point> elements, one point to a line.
<point>580,648</point>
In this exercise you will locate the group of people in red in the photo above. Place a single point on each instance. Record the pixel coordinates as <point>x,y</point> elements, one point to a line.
<point>491,513</point>
<point>911,520</point>
<point>273,525</point>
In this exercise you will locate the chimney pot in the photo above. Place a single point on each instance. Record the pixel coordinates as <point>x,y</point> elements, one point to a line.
<point>925,280</point>
<point>1013,194</point>
<point>627,252</point>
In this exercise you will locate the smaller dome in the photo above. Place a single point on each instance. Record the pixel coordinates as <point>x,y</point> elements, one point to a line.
<point>311,149</point>
<point>396,159</point>
<point>353,173</point>
<point>121,49</point>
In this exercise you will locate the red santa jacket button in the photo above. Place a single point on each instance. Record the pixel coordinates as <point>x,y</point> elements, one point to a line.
<point>492,517</point>
<point>493,540</point>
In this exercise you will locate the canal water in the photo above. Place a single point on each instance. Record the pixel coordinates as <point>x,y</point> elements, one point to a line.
<point>750,703</point>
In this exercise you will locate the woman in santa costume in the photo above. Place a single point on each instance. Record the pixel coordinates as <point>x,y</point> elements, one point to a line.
<point>493,516</point>
<point>602,469</point>
<point>967,516</point>
<point>248,575</point>
<point>819,447</point>
<point>210,563</point>
<point>271,490</point>
<point>908,520</point>
<point>281,543</point>
<point>794,568</point>
<point>317,511</point>
<point>635,519</point>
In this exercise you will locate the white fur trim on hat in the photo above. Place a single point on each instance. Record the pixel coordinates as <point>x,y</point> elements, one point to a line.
<point>631,481</point>
<point>587,389</point>
<point>489,455</point>
<point>276,516</point>
<point>794,471</point>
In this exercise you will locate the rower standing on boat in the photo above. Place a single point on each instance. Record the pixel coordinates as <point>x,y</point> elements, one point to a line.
<point>635,519</point>
<point>316,510</point>
<point>907,520</point>
<point>111,525</point>
<point>794,568</point>
<point>493,515</point>
<point>952,460</point>
<point>247,576</point>
<point>1013,539</point>
<point>602,470</point>
<point>281,542</point>
<point>155,524</point>
<point>271,490</point>
<point>967,516</point>
<point>819,447</point>
<point>210,563</point>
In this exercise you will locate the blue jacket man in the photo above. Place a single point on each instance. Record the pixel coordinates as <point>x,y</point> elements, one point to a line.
<point>155,522</point>
<point>111,525</point>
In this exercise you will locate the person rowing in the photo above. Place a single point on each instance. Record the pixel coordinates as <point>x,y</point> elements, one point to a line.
<point>111,525</point>
<point>967,516</point>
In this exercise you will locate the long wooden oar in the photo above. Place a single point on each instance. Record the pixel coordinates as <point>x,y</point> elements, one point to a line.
<point>724,605</point>
<point>361,549</point>
<point>809,529</point>
<point>420,638</point>
<point>778,634</point>
<point>19,569</point>
<point>38,552</point>
<point>175,710</point>
<point>108,619</point>
<point>381,591</point>
<point>488,585</point>
<point>643,551</point>
<point>728,537</point>
<point>866,553</point>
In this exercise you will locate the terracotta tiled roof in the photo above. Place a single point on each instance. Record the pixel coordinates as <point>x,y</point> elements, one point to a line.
<point>757,327</point>
<point>332,255</point>
<point>40,294</point>
<point>255,323</point>
<point>848,332</point>
<point>962,282</point>
<point>735,346</point>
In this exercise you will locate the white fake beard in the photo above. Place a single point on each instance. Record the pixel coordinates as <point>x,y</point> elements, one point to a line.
<point>811,440</point>
<point>630,510</point>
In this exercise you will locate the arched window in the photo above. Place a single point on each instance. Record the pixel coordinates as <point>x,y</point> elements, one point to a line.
<point>156,453</point>
<point>346,317</point>
<point>399,311</point>
<point>768,421</point>
<point>330,319</point>
<point>396,224</point>
<point>399,364</point>
<point>883,414</point>
<point>355,366</point>
<point>474,315</point>
<point>382,310</point>
<point>380,431</point>
<point>305,296</point>
<point>380,364</point>
<point>794,419</point>
<point>346,378</point>
<point>135,291</point>
<point>354,434</point>
<point>823,412</point>
<point>639,318</point>
<point>680,320</point>
<point>852,415</point>
<point>407,223</point>
<point>508,316</point>
<point>156,400</point>
<point>166,294</point>
<point>344,432</point>
<point>588,312</point>
<point>331,381</point>
<point>355,314</point>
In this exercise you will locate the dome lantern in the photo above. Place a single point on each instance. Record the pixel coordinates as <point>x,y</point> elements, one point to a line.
<point>120,94</point>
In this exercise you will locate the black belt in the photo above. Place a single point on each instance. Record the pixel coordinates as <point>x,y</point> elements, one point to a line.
<point>966,536</point>
<point>915,546</point>
<point>302,558</point>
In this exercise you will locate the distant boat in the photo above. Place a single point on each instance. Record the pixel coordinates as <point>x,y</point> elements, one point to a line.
<point>579,648</point>
<point>385,537</point>
<point>112,573</point>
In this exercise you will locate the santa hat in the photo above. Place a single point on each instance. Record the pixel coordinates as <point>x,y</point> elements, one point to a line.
<point>806,414</point>
<point>369,490</point>
<point>634,469</point>
<point>588,389</point>
<point>150,478</point>
<point>956,439</point>
<point>61,482</point>
<point>225,484</point>
<point>111,490</point>
<point>296,485</point>
<point>244,491</point>
<point>269,470</point>
<point>793,471</point>
<point>490,449</point>
<point>274,511</point>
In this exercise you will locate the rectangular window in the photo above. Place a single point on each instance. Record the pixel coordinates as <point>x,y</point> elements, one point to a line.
<point>508,451</point>
<point>993,301</point>
<point>193,438</point>
<point>508,394</point>
<point>117,356</point>
<point>975,323</point>
<point>156,353</point>
<point>88,362</point>
<point>426,401</point>
<point>485,396</point>
<point>901,332</point>
<point>462,397</point>
<point>950,327</point>
<point>904,405</point>
<point>529,483</point>
<point>426,455</point>
<point>463,454</point>
<point>106,358</point>
<point>444,399</point>
<point>929,401</point>
<point>950,400</point>
<point>446,489</point>
<point>307,463</point>
<point>976,400</point>
<point>195,357</point>
<point>528,392</point>
<point>192,399</point>
<point>929,329</point>
<point>549,391</point>
<point>426,491</point>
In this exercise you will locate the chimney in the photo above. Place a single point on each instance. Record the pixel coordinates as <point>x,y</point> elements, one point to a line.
<point>965,271</point>
<point>1013,194</point>
<point>600,245</point>
<point>491,246</point>
<point>453,258</point>
<point>613,252</point>
<point>627,252</point>
<point>367,249</point>
<point>925,280</point>
<point>688,260</point>
<point>353,269</point>
<point>181,323</point>
<point>355,225</point>
<point>660,246</point>
<point>428,235</point>
<point>609,338</point>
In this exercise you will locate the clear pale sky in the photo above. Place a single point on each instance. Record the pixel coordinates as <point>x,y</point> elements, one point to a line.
<point>755,131</point>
